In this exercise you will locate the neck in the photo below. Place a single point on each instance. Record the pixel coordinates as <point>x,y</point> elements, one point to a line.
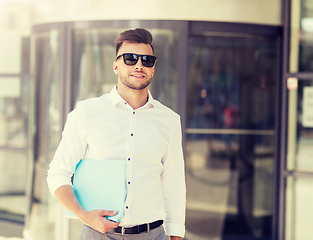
<point>135,98</point>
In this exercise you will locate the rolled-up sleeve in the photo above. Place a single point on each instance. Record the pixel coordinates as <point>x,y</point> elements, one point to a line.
<point>173,185</point>
<point>69,152</point>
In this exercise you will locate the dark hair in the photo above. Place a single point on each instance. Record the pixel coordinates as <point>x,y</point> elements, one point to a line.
<point>138,35</point>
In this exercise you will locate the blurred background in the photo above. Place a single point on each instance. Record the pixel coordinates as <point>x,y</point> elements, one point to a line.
<point>239,72</point>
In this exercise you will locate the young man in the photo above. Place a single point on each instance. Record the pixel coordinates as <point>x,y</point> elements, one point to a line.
<point>127,124</point>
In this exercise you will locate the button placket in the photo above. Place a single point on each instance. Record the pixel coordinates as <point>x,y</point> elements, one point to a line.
<point>130,159</point>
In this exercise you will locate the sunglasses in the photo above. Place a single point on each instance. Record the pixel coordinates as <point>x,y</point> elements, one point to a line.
<point>131,59</point>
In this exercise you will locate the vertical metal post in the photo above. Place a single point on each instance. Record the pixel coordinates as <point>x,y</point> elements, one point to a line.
<point>183,76</point>
<point>281,167</point>
<point>62,222</point>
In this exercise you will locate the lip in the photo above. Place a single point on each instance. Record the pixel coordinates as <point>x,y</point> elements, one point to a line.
<point>138,75</point>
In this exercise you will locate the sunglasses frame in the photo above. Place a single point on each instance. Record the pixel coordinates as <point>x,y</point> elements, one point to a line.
<point>138,56</point>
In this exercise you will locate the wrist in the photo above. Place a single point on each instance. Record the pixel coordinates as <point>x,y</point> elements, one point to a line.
<point>81,213</point>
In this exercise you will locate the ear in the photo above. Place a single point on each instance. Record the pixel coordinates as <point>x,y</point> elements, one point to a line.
<point>115,67</point>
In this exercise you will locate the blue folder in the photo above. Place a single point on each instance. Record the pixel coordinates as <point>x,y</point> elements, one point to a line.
<point>100,184</point>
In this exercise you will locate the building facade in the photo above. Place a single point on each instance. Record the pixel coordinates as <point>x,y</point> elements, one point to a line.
<point>239,74</point>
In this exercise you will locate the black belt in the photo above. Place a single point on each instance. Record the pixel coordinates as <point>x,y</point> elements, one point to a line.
<point>139,228</point>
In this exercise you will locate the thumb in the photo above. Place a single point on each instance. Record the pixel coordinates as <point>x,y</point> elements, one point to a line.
<point>112,213</point>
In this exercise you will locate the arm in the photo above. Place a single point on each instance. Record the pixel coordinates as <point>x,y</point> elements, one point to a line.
<point>173,186</point>
<point>95,219</point>
<point>69,152</point>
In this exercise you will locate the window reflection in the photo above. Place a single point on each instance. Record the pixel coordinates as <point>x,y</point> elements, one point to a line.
<point>231,74</point>
<point>230,136</point>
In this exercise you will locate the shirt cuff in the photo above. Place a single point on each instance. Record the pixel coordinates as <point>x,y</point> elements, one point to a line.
<point>173,229</point>
<point>57,182</point>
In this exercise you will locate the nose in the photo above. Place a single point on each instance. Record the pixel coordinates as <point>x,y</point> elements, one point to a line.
<point>139,65</point>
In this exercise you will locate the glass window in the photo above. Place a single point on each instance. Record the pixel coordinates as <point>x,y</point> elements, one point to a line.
<point>14,95</point>
<point>230,145</point>
<point>299,211</point>
<point>300,132</point>
<point>301,44</point>
<point>13,165</point>
<point>93,56</point>
<point>47,121</point>
<point>14,112</point>
<point>11,48</point>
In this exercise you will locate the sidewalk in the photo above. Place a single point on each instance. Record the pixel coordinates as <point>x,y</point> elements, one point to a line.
<point>10,230</point>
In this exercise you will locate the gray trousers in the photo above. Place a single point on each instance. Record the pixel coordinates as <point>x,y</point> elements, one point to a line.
<point>89,233</point>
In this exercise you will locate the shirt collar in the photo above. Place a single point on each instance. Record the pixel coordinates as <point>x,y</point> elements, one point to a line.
<point>116,98</point>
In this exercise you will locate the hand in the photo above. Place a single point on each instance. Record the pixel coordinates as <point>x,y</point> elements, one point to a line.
<point>97,220</point>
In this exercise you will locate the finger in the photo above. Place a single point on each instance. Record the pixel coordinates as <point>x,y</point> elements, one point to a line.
<point>113,213</point>
<point>112,224</point>
<point>108,213</point>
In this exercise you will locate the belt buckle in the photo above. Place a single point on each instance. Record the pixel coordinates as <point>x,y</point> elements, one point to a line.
<point>123,231</point>
<point>148,227</point>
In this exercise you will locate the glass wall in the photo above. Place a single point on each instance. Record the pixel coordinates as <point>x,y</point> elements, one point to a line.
<point>299,160</point>
<point>299,195</point>
<point>92,53</point>
<point>47,121</point>
<point>14,100</point>
<point>14,96</point>
<point>230,147</point>
<point>299,167</point>
<point>305,36</point>
<point>230,103</point>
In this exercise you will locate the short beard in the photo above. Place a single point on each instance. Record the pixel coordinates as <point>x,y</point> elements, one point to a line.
<point>131,86</point>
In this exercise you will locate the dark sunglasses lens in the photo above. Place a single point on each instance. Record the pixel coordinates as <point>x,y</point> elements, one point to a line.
<point>130,59</point>
<point>148,61</point>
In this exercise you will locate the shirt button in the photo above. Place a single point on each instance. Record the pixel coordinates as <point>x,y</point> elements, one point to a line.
<point>126,207</point>
<point>125,103</point>
<point>133,112</point>
<point>131,134</point>
<point>128,182</point>
<point>128,159</point>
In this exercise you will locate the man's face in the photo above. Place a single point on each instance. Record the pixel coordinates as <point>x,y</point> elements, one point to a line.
<point>136,77</point>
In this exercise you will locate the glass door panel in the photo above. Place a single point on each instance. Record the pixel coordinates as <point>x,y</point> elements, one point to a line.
<point>299,211</point>
<point>14,97</point>
<point>299,155</point>
<point>299,166</point>
<point>48,108</point>
<point>302,35</point>
<point>230,143</point>
<point>300,149</point>
<point>14,118</point>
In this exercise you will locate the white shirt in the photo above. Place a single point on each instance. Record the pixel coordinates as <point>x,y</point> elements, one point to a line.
<point>147,138</point>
